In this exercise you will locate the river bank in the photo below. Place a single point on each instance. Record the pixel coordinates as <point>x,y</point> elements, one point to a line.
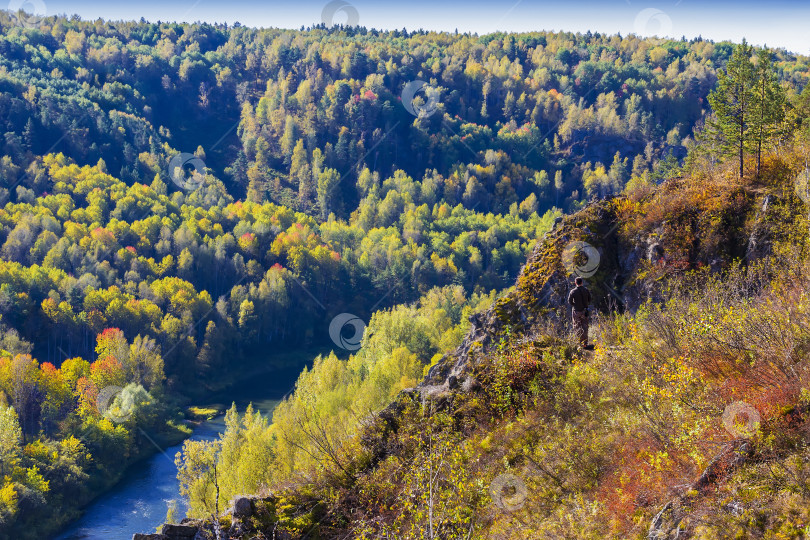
<point>139,501</point>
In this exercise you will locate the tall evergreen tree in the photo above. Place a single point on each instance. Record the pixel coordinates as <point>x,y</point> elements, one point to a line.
<point>29,134</point>
<point>732,102</point>
<point>768,105</point>
<point>328,182</point>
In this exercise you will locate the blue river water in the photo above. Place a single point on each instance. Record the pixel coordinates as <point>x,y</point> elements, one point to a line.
<point>140,501</point>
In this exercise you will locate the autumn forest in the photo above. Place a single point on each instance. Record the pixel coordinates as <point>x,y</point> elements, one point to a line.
<point>180,203</point>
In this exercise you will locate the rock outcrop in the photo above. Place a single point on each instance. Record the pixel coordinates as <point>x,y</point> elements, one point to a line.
<point>235,521</point>
<point>620,261</point>
<point>172,532</point>
<point>585,243</point>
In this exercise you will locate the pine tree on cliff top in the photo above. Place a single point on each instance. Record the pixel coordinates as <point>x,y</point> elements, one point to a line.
<point>732,102</point>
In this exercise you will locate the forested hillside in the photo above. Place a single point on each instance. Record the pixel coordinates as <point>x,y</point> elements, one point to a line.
<point>506,112</point>
<point>182,201</point>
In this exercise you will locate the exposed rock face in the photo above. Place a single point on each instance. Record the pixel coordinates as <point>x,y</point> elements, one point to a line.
<point>541,292</point>
<point>759,242</point>
<point>655,252</point>
<point>171,532</point>
<point>179,532</point>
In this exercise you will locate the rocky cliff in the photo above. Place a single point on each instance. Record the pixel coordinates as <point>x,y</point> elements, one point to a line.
<point>623,247</point>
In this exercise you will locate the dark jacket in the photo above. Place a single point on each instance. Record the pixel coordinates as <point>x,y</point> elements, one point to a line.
<point>580,298</point>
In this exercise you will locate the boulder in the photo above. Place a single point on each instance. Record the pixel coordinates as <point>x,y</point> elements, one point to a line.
<point>242,507</point>
<point>179,532</point>
<point>138,536</point>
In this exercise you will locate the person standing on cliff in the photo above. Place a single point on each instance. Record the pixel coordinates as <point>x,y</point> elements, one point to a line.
<point>580,298</point>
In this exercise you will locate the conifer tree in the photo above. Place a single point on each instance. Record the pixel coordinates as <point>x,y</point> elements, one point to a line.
<point>731,102</point>
<point>768,105</point>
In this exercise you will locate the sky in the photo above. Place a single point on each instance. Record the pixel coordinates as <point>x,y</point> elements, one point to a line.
<point>776,23</point>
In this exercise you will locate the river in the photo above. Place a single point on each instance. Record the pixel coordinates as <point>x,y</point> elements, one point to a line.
<point>139,502</point>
